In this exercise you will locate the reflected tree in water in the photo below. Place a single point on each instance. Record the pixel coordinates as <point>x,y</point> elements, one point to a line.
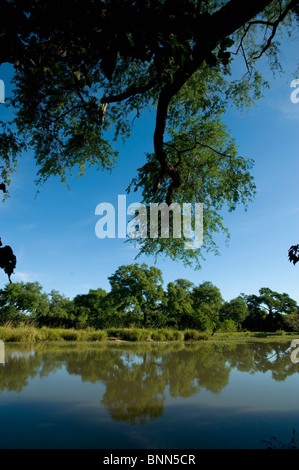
<point>138,378</point>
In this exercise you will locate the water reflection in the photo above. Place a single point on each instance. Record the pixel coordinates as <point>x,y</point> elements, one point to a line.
<point>137,379</point>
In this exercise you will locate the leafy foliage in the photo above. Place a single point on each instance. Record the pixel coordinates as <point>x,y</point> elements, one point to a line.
<point>81,79</point>
<point>137,299</point>
<point>294,254</point>
<point>235,310</point>
<point>267,310</point>
<point>137,289</point>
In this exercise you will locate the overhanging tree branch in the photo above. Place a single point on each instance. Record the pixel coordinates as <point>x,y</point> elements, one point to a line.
<point>131,91</point>
<point>220,25</point>
<point>275,25</point>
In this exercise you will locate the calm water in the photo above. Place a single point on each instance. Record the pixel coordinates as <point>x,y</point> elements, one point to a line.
<point>200,396</point>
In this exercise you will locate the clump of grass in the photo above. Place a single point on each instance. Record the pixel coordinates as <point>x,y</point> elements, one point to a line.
<point>168,334</point>
<point>29,334</point>
<point>195,335</point>
<point>69,334</point>
<point>96,335</point>
<point>49,334</point>
<point>134,334</point>
<point>113,332</point>
<point>157,335</point>
<point>280,332</point>
<point>178,335</point>
<point>24,334</point>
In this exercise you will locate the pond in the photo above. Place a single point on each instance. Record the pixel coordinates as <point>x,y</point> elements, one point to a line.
<point>148,396</point>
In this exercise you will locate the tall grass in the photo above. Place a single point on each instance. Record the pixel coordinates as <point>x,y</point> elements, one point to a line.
<point>31,334</point>
<point>23,334</point>
<point>195,335</point>
<point>144,334</point>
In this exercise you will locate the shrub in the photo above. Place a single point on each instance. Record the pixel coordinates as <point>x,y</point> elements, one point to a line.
<point>228,326</point>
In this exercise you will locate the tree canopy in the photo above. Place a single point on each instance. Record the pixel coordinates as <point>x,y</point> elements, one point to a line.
<point>137,289</point>
<point>84,70</point>
<point>138,298</point>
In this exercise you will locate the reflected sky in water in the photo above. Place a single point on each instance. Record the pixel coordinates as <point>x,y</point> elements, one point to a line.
<point>147,396</point>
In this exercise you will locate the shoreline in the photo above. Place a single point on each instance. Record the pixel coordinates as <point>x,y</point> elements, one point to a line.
<point>30,334</point>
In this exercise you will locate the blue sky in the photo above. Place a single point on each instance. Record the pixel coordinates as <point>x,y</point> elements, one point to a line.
<point>53,234</point>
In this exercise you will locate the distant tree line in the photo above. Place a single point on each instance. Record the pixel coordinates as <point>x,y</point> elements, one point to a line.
<point>137,298</point>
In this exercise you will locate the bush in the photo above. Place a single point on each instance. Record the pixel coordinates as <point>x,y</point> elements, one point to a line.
<point>228,326</point>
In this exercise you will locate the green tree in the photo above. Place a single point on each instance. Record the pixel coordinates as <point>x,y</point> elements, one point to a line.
<point>82,75</point>
<point>266,310</point>
<point>179,303</point>
<point>10,313</point>
<point>137,290</point>
<point>24,301</point>
<point>292,321</point>
<point>92,306</point>
<point>60,312</point>
<point>207,302</point>
<point>235,310</point>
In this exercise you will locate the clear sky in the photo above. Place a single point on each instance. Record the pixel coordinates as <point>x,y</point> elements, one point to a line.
<point>53,234</point>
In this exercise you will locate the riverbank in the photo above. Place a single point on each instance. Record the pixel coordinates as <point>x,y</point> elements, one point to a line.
<point>31,334</point>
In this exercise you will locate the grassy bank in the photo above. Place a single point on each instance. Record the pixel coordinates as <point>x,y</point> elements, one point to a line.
<point>26,334</point>
<point>31,334</point>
